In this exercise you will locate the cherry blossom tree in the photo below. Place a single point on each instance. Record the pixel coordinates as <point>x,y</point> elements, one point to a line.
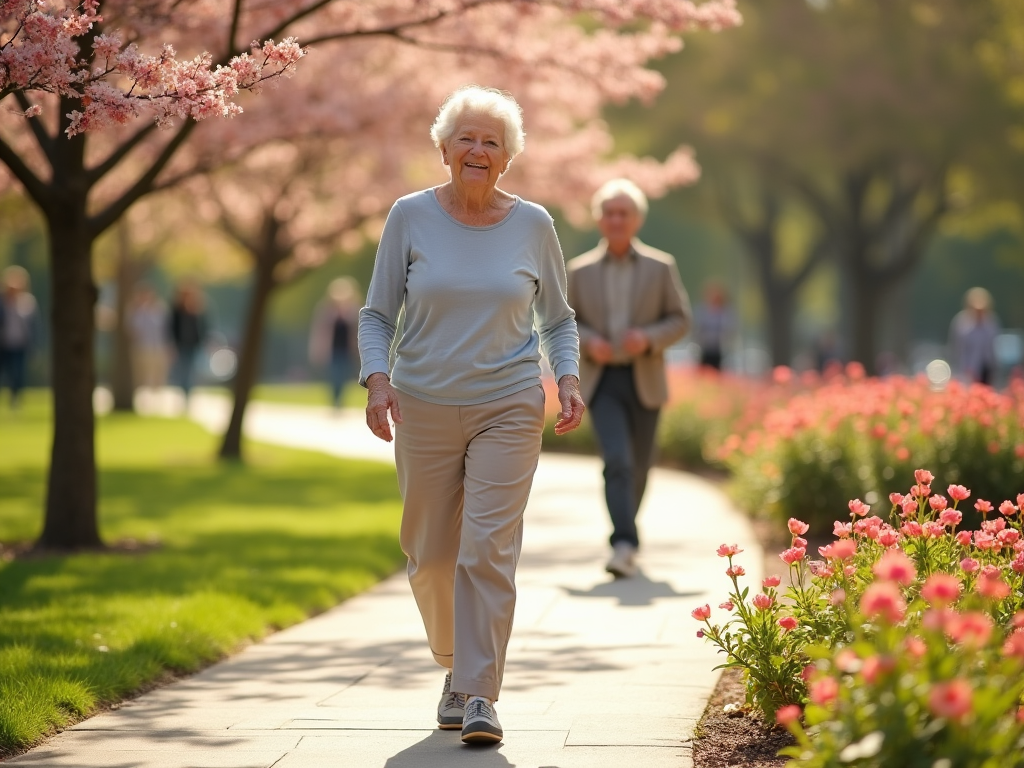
<point>121,63</point>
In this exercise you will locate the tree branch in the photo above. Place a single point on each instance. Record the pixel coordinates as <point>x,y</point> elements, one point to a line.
<point>35,187</point>
<point>143,186</point>
<point>44,139</point>
<point>236,17</point>
<point>97,172</point>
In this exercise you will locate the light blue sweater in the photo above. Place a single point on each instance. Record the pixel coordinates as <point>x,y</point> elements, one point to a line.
<point>479,303</point>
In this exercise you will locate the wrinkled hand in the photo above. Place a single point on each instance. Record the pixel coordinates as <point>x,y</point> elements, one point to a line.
<point>599,350</point>
<point>380,400</point>
<point>572,404</point>
<point>635,342</point>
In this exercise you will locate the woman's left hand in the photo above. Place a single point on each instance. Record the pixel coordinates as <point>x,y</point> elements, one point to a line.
<point>572,404</point>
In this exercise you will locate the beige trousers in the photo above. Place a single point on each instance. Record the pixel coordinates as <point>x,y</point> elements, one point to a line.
<point>465,473</point>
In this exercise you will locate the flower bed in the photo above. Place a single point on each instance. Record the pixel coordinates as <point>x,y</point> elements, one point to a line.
<point>902,646</point>
<point>851,436</point>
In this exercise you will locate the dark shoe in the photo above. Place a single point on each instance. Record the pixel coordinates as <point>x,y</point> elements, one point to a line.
<point>481,725</point>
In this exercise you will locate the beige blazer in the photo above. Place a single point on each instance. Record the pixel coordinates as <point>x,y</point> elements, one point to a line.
<point>659,307</point>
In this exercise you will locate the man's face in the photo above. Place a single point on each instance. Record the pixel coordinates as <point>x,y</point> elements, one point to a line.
<point>620,220</point>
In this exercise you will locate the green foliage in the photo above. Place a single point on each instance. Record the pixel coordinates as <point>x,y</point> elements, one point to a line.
<point>236,551</point>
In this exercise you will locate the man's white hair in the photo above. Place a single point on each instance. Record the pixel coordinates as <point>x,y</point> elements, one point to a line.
<point>617,188</point>
<point>485,101</point>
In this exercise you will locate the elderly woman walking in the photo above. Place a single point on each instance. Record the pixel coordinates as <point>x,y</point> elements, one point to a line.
<point>481,278</point>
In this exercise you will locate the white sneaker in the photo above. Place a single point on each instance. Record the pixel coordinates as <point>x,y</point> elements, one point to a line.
<point>623,561</point>
<point>481,726</point>
<point>451,708</point>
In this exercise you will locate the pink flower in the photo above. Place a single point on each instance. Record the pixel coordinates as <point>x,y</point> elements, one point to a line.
<point>788,714</point>
<point>859,508</point>
<point>984,540</point>
<point>1014,645</point>
<point>1018,563</point>
<point>771,581</point>
<point>908,508</point>
<point>1007,508</point>
<point>823,691</point>
<point>933,529</point>
<point>838,597</point>
<point>1008,537</point>
<point>728,550</point>
<point>1020,500</point>
<point>993,588</point>
<point>883,600</point>
<point>875,667</point>
<point>842,530</point>
<point>938,502</point>
<point>700,633</point>
<point>963,538</point>
<point>800,541</point>
<point>951,517</point>
<point>951,700</point>
<point>762,601</point>
<point>912,529</point>
<point>940,589</point>
<point>895,566</point>
<point>916,647</point>
<point>793,555</point>
<point>921,491</point>
<point>923,476</point>
<point>888,536</point>
<point>798,528</point>
<point>896,498</point>
<point>842,549</point>
<point>734,571</point>
<point>788,623</point>
<point>983,506</point>
<point>969,565</point>
<point>958,493</point>
<point>701,613</point>
<point>820,569</point>
<point>971,629</point>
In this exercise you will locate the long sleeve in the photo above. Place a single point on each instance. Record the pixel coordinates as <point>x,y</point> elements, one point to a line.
<point>378,320</point>
<point>676,320</point>
<point>556,321</point>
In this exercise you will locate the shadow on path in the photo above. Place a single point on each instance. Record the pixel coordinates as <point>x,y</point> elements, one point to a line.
<point>443,748</point>
<point>638,590</point>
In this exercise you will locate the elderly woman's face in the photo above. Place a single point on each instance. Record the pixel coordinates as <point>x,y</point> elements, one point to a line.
<point>476,150</point>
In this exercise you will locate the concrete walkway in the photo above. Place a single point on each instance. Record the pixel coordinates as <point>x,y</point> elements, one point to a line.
<point>600,673</point>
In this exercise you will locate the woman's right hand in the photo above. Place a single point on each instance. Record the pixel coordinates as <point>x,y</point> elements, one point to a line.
<point>380,400</point>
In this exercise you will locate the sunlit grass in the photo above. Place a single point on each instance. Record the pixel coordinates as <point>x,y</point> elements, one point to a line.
<point>241,549</point>
<point>353,396</point>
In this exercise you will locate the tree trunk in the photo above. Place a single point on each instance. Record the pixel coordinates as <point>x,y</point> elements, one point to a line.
<point>781,306</point>
<point>866,303</point>
<point>249,356</point>
<point>71,519</point>
<point>122,382</point>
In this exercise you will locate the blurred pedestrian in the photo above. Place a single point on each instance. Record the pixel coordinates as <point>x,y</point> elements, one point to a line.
<point>480,276</point>
<point>630,307</point>
<point>972,337</point>
<point>332,337</point>
<point>714,325</point>
<point>19,318</point>
<point>188,331</point>
<point>147,324</point>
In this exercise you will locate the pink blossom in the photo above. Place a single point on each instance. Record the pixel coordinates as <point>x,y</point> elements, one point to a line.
<point>800,541</point>
<point>701,613</point>
<point>762,601</point>
<point>921,491</point>
<point>842,530</point>
<point>952,700</point>
<point>727,605</point>
<point>895,566</point>
<point>912,529</point>
<point>883,600</point>
<point>823,691</point>
<point>788,623</point>
<point>951,517</point>
<point>771,581</point>
<point>1020,500</point>
<point>859,508</point>
<point>820,569</point>
<point>700,633</point>
<point>896,498</point>
<point>875,667</point>
<point>969,565</point>
<point>932,529</point>
<point>1007,508</point>
<point>793,555</point>
<point>838,596</point>
<point>888,536</point>
<point>971,629</point>
<point>992,587</point>
<point>984,540</point>
<point>798,528</point>
<point>963,538</point>
<point>938,502</point>
<point>1018,563</point>
<point>983,506</point>
<point>940,589</point>
<point>923,477</point>
<point>1014,645</point>
<point>958,493</point>
<point>916,647</point>
<point>788,714</point>
<point>1008,537</point>
<point>841,549</point>
<point>734,571</point>
<point>728,550</point>
<point>909,508</point>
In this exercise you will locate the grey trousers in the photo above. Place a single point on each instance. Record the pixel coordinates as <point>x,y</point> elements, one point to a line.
<point>626,431</point>
<point>465,473</point>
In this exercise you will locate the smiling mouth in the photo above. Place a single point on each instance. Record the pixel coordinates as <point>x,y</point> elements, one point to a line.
<point>476,165</point>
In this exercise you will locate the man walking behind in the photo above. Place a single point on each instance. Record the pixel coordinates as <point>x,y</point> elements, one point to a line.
<point>630,307</point>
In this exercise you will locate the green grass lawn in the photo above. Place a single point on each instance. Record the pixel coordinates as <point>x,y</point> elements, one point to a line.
<point>353,396</point>
<point>242,550</point>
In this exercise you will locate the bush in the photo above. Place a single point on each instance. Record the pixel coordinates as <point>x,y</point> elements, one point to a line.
<point>902,646</point>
